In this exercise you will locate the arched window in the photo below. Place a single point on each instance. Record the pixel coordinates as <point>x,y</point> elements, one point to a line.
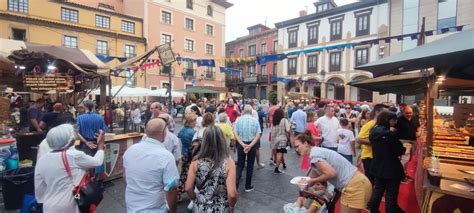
<point>189,4</point>
<point>209,10</point>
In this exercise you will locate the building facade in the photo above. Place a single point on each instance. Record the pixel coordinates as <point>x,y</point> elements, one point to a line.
<point>325,47</point>
<point>101,31</point>
<point>254,80</point>
<point>195,30</point>
<point>442,18</point>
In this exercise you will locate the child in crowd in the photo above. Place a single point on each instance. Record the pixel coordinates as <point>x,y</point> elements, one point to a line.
<point>311,200</point>
<point>346,140</point>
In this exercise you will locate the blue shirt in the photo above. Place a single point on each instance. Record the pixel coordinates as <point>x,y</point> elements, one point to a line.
<point>186,135</point>
<point>148,166</point>
<point>299,117</point>
<point>247,127</point>
<point>89,124</point>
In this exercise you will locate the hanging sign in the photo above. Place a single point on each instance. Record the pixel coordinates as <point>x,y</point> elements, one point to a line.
<point>56,82</point>
<point>166,54</point>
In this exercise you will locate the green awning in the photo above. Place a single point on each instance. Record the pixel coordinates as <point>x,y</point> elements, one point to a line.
<point>403,84</point>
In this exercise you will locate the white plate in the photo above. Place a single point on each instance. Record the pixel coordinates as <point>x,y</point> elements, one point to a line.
<point>296,179</point>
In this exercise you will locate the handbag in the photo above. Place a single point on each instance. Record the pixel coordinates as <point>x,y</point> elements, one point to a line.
<point>89,193</point>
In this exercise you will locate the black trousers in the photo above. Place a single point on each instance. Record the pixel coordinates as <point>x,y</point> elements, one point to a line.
<point>390,187</point>
<point>366,162</point>
<point>241,159</point>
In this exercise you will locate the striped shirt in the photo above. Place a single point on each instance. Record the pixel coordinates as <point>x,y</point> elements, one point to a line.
<point>89,124</point>
<point>247,128</point>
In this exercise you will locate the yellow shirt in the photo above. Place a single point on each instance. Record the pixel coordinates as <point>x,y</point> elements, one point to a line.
<point>364,134</point>
<point>227,130</point>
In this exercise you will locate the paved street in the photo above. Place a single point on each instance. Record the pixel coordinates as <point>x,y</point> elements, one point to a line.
<point>270,194</point>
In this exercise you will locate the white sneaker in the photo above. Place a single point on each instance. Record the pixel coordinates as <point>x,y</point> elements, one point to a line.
<point>191,205</point>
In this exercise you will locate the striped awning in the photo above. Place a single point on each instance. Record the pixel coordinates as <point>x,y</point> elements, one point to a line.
<point>31,54</point>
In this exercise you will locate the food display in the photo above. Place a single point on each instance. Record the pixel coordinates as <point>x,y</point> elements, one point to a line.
<point>450,144</point>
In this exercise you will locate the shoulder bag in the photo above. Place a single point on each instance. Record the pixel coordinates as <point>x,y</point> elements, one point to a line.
<point>89,193</point>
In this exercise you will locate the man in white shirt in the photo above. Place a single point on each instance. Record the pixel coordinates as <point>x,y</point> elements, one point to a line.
<point>328,125</point>
<point>172,142</point>
<point>149,169</point>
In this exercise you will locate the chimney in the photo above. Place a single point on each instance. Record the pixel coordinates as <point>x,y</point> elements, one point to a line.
<point>303,13</point>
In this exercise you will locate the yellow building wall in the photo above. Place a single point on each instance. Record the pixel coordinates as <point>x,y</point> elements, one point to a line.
<point>53,35</point>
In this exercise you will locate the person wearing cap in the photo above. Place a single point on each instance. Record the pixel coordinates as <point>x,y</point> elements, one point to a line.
<point>89,124</point>
<point>53,187</point>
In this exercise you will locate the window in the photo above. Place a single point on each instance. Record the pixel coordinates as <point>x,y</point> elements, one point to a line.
<point>252,50</point>
<point>19,34</point>
<point>241,53</point>
<point>166,17</point>
<point>189,44</point>
<point>166,69</point>
<point>209,29</point>
<point>263,70</point>
<point>69,15</point>
<point>189,4</point>
<point>189,24</point>
<point>209,10</point>
<point>275,69</point>
<point>231,53</point>
<point>275,46</point>
<point>263,49</point>
<point>313,34</point>
<point>102,47</point>
<point>128,27</point>
<point>130,51</point>
<point>209,49</point>
<point>292,66</point>
<point>362,56</point>
<point>251,70</point>
<point>209,72</point>
<point>410,22</point>
<point>446,15</point>
<point>18,5</point>
<point>335,61</point>
<point>165,85</point>
<point>292,38</point>
<point>102,21</point>
<point>130,78</point>
<point>165,38</point>
<point>153,88</point>
<point>362,25</point>
<point>336,30</point>
<point>70,41</point>
<point>312,64</point>
<point>188,69</point>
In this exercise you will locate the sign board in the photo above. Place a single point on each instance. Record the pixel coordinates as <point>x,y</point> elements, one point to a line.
<point>56,82</point>
<point>252,79</point>
<point>166,54</point>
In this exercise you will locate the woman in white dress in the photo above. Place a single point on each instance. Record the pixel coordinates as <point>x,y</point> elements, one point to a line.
<point>53,186</point>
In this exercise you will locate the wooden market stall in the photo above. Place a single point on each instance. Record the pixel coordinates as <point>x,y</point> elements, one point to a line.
<point>444,179</point>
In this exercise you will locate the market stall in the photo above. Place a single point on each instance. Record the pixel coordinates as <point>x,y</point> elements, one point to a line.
<point>115,147</point>
<point>445,172</point>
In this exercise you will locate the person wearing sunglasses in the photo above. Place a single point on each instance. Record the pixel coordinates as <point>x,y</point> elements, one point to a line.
<point>349,115</point>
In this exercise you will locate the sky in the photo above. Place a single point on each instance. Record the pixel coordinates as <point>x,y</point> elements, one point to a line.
<point>246,13</point>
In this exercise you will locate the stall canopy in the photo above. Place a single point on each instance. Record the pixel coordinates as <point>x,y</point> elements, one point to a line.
<point>139,92</point>
<point>30,55</point>
<point>404,84</point>
<point>199,90</point>
<point>452,55</point>
<point>135,59</point>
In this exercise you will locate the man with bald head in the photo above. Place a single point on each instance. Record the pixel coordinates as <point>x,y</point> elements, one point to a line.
<point>247,133</point>
<point>406,128</point>
<point>149,169</point>
<point>158,109</point>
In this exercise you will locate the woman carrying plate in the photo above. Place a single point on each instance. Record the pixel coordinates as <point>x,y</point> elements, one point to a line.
<point>327,165</point>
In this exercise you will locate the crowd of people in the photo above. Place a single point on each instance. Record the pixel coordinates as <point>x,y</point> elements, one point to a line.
<point>354,153</point>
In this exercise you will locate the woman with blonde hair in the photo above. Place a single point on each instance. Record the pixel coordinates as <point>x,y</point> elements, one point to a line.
<point>213,174</point>
<point>186,135</point>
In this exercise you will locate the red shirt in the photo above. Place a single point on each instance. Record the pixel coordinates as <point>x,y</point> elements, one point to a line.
<point>232,112</point>
<point>315,132</point>
<point>271,111</point>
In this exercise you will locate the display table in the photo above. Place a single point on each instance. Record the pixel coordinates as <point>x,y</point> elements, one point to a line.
<point>452,193</point>
<point>115,147</point>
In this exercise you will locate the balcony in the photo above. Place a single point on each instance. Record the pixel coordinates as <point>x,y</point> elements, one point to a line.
<point>209,75</point>
<point>189,73</point>
<point>232,81</point>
